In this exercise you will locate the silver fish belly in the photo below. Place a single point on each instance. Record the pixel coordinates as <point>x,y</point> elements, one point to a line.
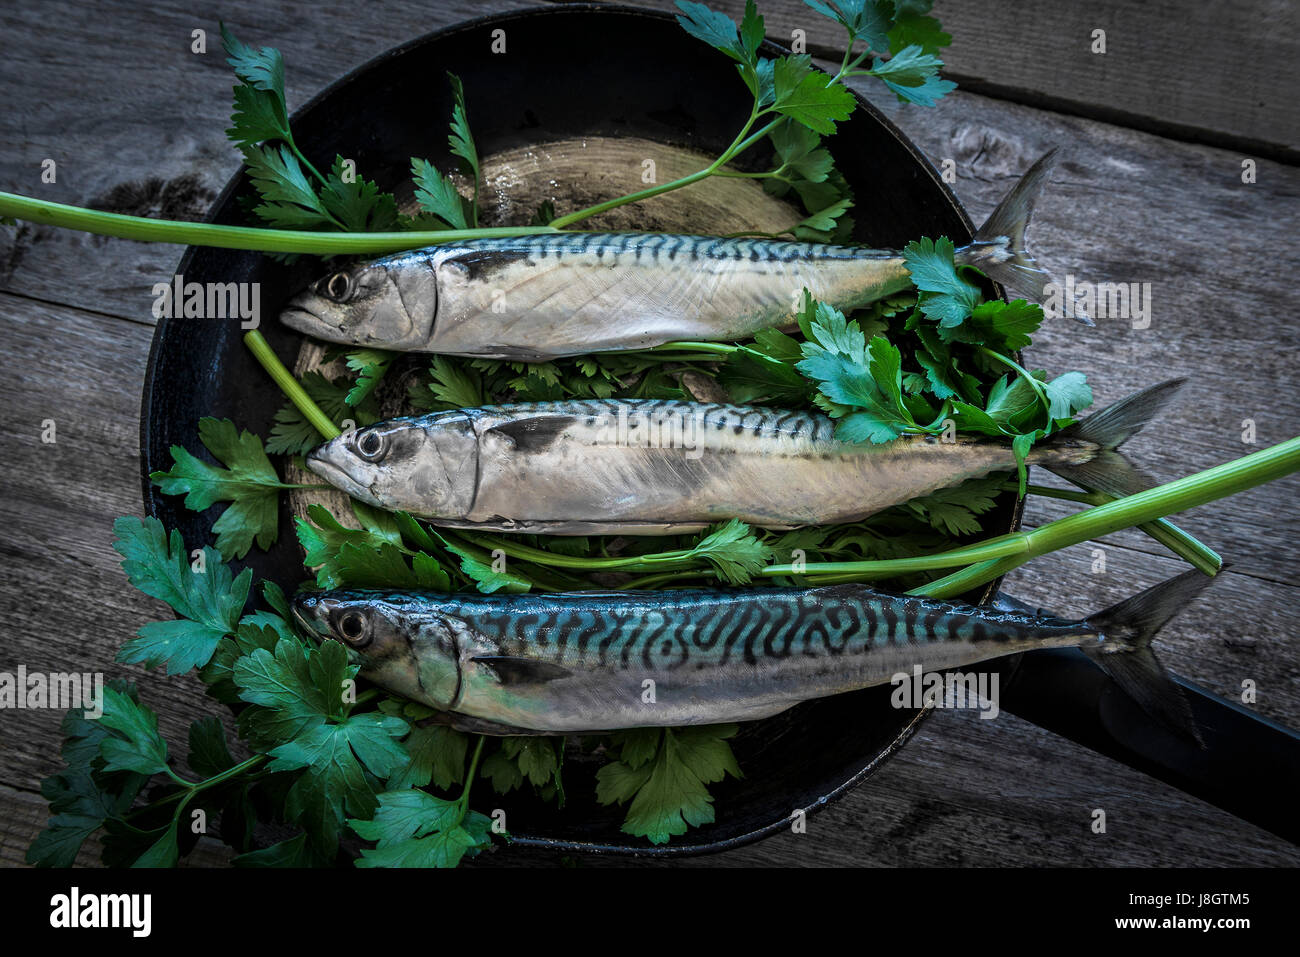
<point>639,467</point>
<point>535,298</point>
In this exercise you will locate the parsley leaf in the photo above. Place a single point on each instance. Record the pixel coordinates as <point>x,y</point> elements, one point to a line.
<point>438,196</point>
<point>808,96</point>
<point>913,75</point>
<point>414,829</point>
<point>355,203</point>
<point>83,796</point>
<point>868,20</point>
<point>666,780</point>
<point>289,200</point>
<point>1004,326</point>
<point>719,31</point>
<point>489,574</point>
<point>296,688</point>
<point>373,557</point>
<point>863,382</point>
<point>953,510</point>
<point>137,746</point>
<point>946,297</point>
<point>248,482</point>
<point>1068,394</point>
<point>260,110</point>
<point>765,370</point>
<point>520,758</point>
<point>436,756</point>
<point>370,366</point>
<point>734,550</point>
<point>292,434</point>
<point>462,141</point>
<point>913,28</point>
<point>294,852</point>
<point>209,603</point>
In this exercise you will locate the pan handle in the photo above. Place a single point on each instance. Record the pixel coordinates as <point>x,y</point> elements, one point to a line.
<point>1250,766</point>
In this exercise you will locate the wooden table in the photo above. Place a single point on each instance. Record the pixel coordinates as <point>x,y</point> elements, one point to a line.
<point>1153,136</point>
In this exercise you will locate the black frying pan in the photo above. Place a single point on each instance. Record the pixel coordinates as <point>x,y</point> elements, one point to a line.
<point>382,114</point>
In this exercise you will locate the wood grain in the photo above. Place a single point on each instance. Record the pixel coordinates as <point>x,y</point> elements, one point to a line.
<point>1171,67</point>
<point>117,98</point>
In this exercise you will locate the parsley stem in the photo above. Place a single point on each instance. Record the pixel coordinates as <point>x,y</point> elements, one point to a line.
<point>1185,546</point>
<point>714,348</point>
<point>177,778</point>
<point>368,695</point>
<point>736,174</point>
<point>960,582</point>
<point>192,787</point>
<point>743,141</point>
<point>1033,383</point>
<point>232,772</point>
<point>561,221</point>
<point>1177,496</point>
<point>542,557</point>
<point>143,229</point>
<point>995,556</point>
<point>296,394</point>
<point>469,778</point>
<point>307,163</point>
<point>664,578</point>
<point>1001,547</point>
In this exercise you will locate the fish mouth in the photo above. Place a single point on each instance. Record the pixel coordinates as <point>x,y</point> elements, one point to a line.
<point>335,475</point>
<point>306,624</point>
<point>304,320</point>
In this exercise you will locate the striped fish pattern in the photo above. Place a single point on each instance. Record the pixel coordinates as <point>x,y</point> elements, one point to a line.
<point>536,298</point>
<point>581,661</point>
<point>643,467</point>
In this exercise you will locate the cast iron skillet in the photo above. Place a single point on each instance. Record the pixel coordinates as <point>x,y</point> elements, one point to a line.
<point>380,115</point>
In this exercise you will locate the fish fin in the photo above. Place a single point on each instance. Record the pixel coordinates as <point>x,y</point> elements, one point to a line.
<point>999,249</point>
<point>1109,471</point>
<point>533,434</point>
<point>1126,653</point>
<point>519,671</point>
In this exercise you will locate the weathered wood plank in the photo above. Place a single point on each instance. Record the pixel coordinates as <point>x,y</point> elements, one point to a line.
<point>1170,67</point>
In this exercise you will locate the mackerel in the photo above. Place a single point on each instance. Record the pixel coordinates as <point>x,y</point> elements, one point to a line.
<point>583,661</point>
<point>650,467</point>
<point>535,298</point>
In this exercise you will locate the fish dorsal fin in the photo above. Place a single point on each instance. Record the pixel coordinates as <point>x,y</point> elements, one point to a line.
<point>520,671</point>
<point>533,434</point>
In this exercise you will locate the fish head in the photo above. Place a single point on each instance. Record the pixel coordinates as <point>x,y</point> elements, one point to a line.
<point>395,640</point>
<point>388,303</point>
<point>427,466</point>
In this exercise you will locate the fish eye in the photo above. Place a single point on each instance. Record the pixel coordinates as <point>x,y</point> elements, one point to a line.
<point>338,286</point>
<point>354,628</point>
<point>372,445</point>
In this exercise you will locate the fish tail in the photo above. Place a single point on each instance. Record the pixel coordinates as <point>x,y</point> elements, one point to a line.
<point>1105,469</point>
<point>1126,654</point>
<point>999,249</point>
